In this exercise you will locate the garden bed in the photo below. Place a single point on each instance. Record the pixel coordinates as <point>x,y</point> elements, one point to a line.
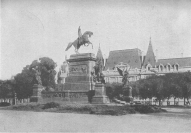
<point>87,109</point>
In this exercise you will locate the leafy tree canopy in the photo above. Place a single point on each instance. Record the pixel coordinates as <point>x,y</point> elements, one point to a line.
<point>24,81</point>
<point>46,67</point>
<point>6,89</point>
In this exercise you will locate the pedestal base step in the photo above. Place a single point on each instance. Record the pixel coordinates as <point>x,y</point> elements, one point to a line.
<point>36,99</point>
<point>100,100</point>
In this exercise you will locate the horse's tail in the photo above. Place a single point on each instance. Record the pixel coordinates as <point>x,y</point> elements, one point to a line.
<point>69,45</point>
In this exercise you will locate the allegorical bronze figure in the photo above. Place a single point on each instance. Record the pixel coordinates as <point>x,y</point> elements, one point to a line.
<point>37,78</point>
<point>125,75</point>
<point>127,89</point>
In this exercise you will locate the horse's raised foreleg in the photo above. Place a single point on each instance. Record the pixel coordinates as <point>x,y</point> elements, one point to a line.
<point>75,44</point>
<point>90,43</point>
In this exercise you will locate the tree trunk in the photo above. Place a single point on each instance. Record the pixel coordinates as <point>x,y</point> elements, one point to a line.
<point>168,101</point>
<point>159,102</point>
<point>184,101</point>
<point>174,100</point>
<point>188,101</point>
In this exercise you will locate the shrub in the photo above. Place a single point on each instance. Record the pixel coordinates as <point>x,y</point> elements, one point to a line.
<point>148,109</point>
<point>110,112</point>
<point>29,106</point>
<point>144,109</point>
<point>76,108</point>
<point>127,99</point>
<point>51,105</point>
<point>113,90</point>
<point>3,104</point>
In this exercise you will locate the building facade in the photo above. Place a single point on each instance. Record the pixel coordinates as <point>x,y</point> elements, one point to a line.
<point>142,66</point>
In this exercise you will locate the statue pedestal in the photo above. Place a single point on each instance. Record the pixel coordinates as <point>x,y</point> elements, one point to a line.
<point>80,78</point>
<point>36,97</point>
<point>100,94</point>
<point>128,94</point>
<point>80,68</point>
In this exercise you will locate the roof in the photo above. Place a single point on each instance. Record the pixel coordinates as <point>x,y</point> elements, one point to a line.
<point>150,57</point>
<point>129,56</point>
<point>182,62</point>
<point>99,58</point>
<point>99,54</point>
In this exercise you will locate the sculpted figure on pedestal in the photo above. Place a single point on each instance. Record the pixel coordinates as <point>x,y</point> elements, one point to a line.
<point>127,89</point>
<point>125,74</point>
<point>81,40</point>
<point>97,74</point>
<point>37,78</point>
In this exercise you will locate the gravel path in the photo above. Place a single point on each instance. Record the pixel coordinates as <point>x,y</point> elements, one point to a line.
<point>176,120</point>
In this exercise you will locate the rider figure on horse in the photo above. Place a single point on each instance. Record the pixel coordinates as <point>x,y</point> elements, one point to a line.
<point>81,40</point>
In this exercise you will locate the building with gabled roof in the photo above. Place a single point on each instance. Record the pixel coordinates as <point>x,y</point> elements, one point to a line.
<point>142,66</point>
<point>99,54</point>
<point>181,62</point>
<point>99,58</point>
<point>150,56</point>
<point>128,56</point>
<point>174,64</point>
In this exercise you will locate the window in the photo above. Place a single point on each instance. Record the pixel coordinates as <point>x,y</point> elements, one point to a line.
<point>176,67</point>
<point>168,67</point>
<point>160,68</point>
<point>148,67</point>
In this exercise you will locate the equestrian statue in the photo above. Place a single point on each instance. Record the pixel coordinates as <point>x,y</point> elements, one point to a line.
<point>81,40</point>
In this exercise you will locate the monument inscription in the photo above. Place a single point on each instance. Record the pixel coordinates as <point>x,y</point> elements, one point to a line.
<point>78,69</point>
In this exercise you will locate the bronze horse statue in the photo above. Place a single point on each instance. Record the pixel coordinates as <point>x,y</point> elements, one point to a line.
<point>81,40</point>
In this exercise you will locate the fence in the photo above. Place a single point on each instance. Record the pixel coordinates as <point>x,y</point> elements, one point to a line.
<point>56,96</point>
<point>72,96</point>
<point>164,102</point>
<point>14,101</point>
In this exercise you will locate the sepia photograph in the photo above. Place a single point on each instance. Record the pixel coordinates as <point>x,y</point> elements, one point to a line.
<point>95,66</point>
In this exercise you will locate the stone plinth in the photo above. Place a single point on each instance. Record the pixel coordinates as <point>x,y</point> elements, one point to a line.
<point>128,94</point>
<point>80,68</point>
<point>36,97</point>
<point>65,96</point>
<point>100,94</point>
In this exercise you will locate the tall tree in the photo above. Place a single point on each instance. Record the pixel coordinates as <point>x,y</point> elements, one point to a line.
<point>24,83</point>
<point>144,89</point>
<point>173,84</point>
<point>185,83</point>
<point>6,89</point>
<point>46,67</point>
<point>135,89</point>
<point>152,86</point>
<point>158,88</point>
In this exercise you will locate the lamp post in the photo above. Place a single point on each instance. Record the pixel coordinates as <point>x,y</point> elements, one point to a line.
<point>15,98</point>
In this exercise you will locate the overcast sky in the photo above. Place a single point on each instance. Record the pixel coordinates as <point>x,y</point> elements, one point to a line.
<point>33,29</point>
